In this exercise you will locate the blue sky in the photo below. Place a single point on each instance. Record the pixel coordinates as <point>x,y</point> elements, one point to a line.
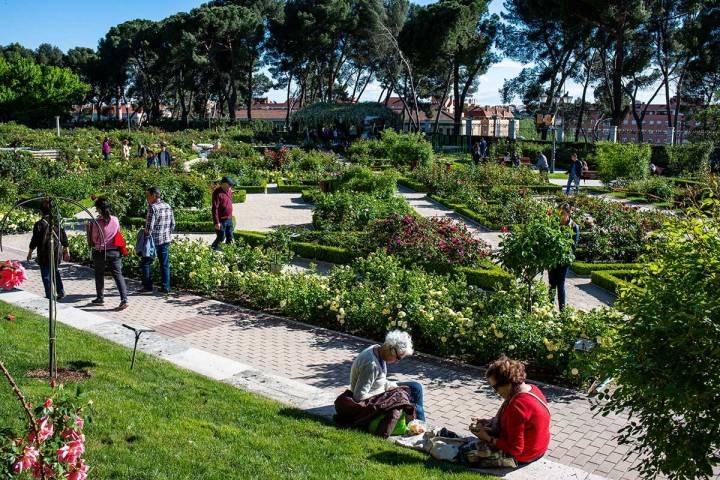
<point>72,23</point>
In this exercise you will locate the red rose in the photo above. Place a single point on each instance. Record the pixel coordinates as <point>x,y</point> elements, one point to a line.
<point>10,317</point>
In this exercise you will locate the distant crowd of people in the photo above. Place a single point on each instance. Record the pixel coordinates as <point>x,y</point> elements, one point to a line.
<point>161,158</point>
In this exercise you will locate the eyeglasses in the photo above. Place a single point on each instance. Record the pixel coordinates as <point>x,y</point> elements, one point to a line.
<point>397,355</point>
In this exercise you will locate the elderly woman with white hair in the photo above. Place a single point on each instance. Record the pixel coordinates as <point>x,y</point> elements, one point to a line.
<point>371,395</point>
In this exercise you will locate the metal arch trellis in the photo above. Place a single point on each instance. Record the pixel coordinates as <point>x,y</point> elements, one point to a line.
<point>55,221</point>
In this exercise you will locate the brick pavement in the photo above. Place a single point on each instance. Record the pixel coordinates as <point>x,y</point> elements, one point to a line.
<point>321,358</point>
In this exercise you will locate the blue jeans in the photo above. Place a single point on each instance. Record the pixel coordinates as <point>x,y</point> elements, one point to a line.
<point>225,234</point>
<point>416,393</point>
<point>163,253</point>
<point>571,179</point>
<point>45,275</point>
<point>556,277</point>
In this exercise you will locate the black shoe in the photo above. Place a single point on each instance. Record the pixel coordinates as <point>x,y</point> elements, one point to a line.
<point>60,296</point>
<point>123,305</point>
<point>142,291</point>
<point>98,301</point>
<point>164,291</point>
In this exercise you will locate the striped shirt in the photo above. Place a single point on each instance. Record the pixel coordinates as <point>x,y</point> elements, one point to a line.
<point>160,222</point>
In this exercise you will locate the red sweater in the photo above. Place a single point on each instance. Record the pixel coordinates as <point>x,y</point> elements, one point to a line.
<point>222,207</point>
<point>525,427</point>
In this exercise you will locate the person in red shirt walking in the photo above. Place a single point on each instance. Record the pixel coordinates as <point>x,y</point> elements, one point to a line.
<point>222,212</point>
<point>521,428</point>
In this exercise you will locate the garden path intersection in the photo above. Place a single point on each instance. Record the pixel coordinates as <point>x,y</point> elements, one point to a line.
<point>307,367</point>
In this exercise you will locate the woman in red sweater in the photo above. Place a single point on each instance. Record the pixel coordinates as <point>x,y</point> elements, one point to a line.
<point>521,427</point>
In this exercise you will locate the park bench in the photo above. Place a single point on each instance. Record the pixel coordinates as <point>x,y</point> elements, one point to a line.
<point>590,175</point>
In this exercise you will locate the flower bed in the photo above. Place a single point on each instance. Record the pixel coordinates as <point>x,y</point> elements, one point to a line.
<point>355,211</point>
<point>418,240</point>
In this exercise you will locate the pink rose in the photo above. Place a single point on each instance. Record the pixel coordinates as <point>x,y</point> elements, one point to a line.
<point>72,434</point>
<point>46,429</point>
<point>48,403</point>
<point>27,461</point>
<point>71,452</point>
<point>78,472</point>
<point>79,422</point>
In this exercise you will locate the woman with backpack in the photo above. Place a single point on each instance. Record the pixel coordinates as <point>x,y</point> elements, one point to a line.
<point>108,250</point>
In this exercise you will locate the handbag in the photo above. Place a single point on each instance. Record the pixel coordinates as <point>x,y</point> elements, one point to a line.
<point>119,241</point>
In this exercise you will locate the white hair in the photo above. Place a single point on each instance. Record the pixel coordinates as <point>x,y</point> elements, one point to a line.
<point>401,342</point>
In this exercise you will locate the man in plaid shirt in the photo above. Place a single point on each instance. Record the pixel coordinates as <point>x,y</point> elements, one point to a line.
<point>159,223</point>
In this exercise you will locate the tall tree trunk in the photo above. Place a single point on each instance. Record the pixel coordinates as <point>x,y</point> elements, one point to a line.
<point>232,101</point>
<point>582,102</point>
<point>667,102</point>
<point>250,94</point>
<point>458,108</point>
<point>382,92</point>
<point>367,81</point>
<point>357,81</point>
<point>617,108</point>
<point>442,101</point>
<point>287,103</point>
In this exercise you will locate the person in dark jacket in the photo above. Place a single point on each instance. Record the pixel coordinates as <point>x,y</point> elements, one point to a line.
<point>574,173</point>
<point>556,275</point>
<point>222,212</point>
<point>41,240</point>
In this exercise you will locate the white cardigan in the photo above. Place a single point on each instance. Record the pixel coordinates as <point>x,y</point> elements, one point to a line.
<point>368,375</point>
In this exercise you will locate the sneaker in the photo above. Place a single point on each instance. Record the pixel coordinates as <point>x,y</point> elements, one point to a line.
<point>98,301</point>
<point>60,296</point>
<point>142,291</point>
<point>123,305</point>
<point>164,291</point>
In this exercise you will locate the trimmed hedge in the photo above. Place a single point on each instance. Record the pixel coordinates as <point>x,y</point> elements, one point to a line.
<point>613,280</point>
<point>252,188</point>
<point>463,209</point>
<point>255,239</point>
<point>586,268</point>
<point>488,278</point>
<point>310,196</point>
<point>412,184</point>
<point>323,253</point>
<point>290,188</point>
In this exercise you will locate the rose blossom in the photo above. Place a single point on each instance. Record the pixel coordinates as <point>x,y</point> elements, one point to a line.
<point>48,403</point>
<point>79,423</point>
<point>27,461</point>
<point>78,472</point>
<point>71,452</point>
<point>72,434</point>
<point>45,430</point>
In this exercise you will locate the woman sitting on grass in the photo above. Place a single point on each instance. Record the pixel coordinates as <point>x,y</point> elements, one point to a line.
<point>521,428</point>
<point>371,395</point>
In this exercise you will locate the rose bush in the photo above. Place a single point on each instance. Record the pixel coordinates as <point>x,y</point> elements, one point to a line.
<point>354,211</point>
<point>54,444</point>
<point>438,241</point>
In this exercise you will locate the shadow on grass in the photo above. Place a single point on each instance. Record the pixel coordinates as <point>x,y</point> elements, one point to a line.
<point>318,415</point>
<point>395,458</point>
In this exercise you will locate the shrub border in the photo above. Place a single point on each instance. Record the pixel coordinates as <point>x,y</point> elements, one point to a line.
<point>586,268</point>
<point>488,278</point>
<point>612,280</point>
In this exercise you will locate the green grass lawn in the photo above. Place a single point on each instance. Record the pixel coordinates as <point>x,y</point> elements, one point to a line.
<point>558,175</point>
<point>162,422</point>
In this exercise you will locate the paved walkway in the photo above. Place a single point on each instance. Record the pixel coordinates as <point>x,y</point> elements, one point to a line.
<point>307,366</point>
